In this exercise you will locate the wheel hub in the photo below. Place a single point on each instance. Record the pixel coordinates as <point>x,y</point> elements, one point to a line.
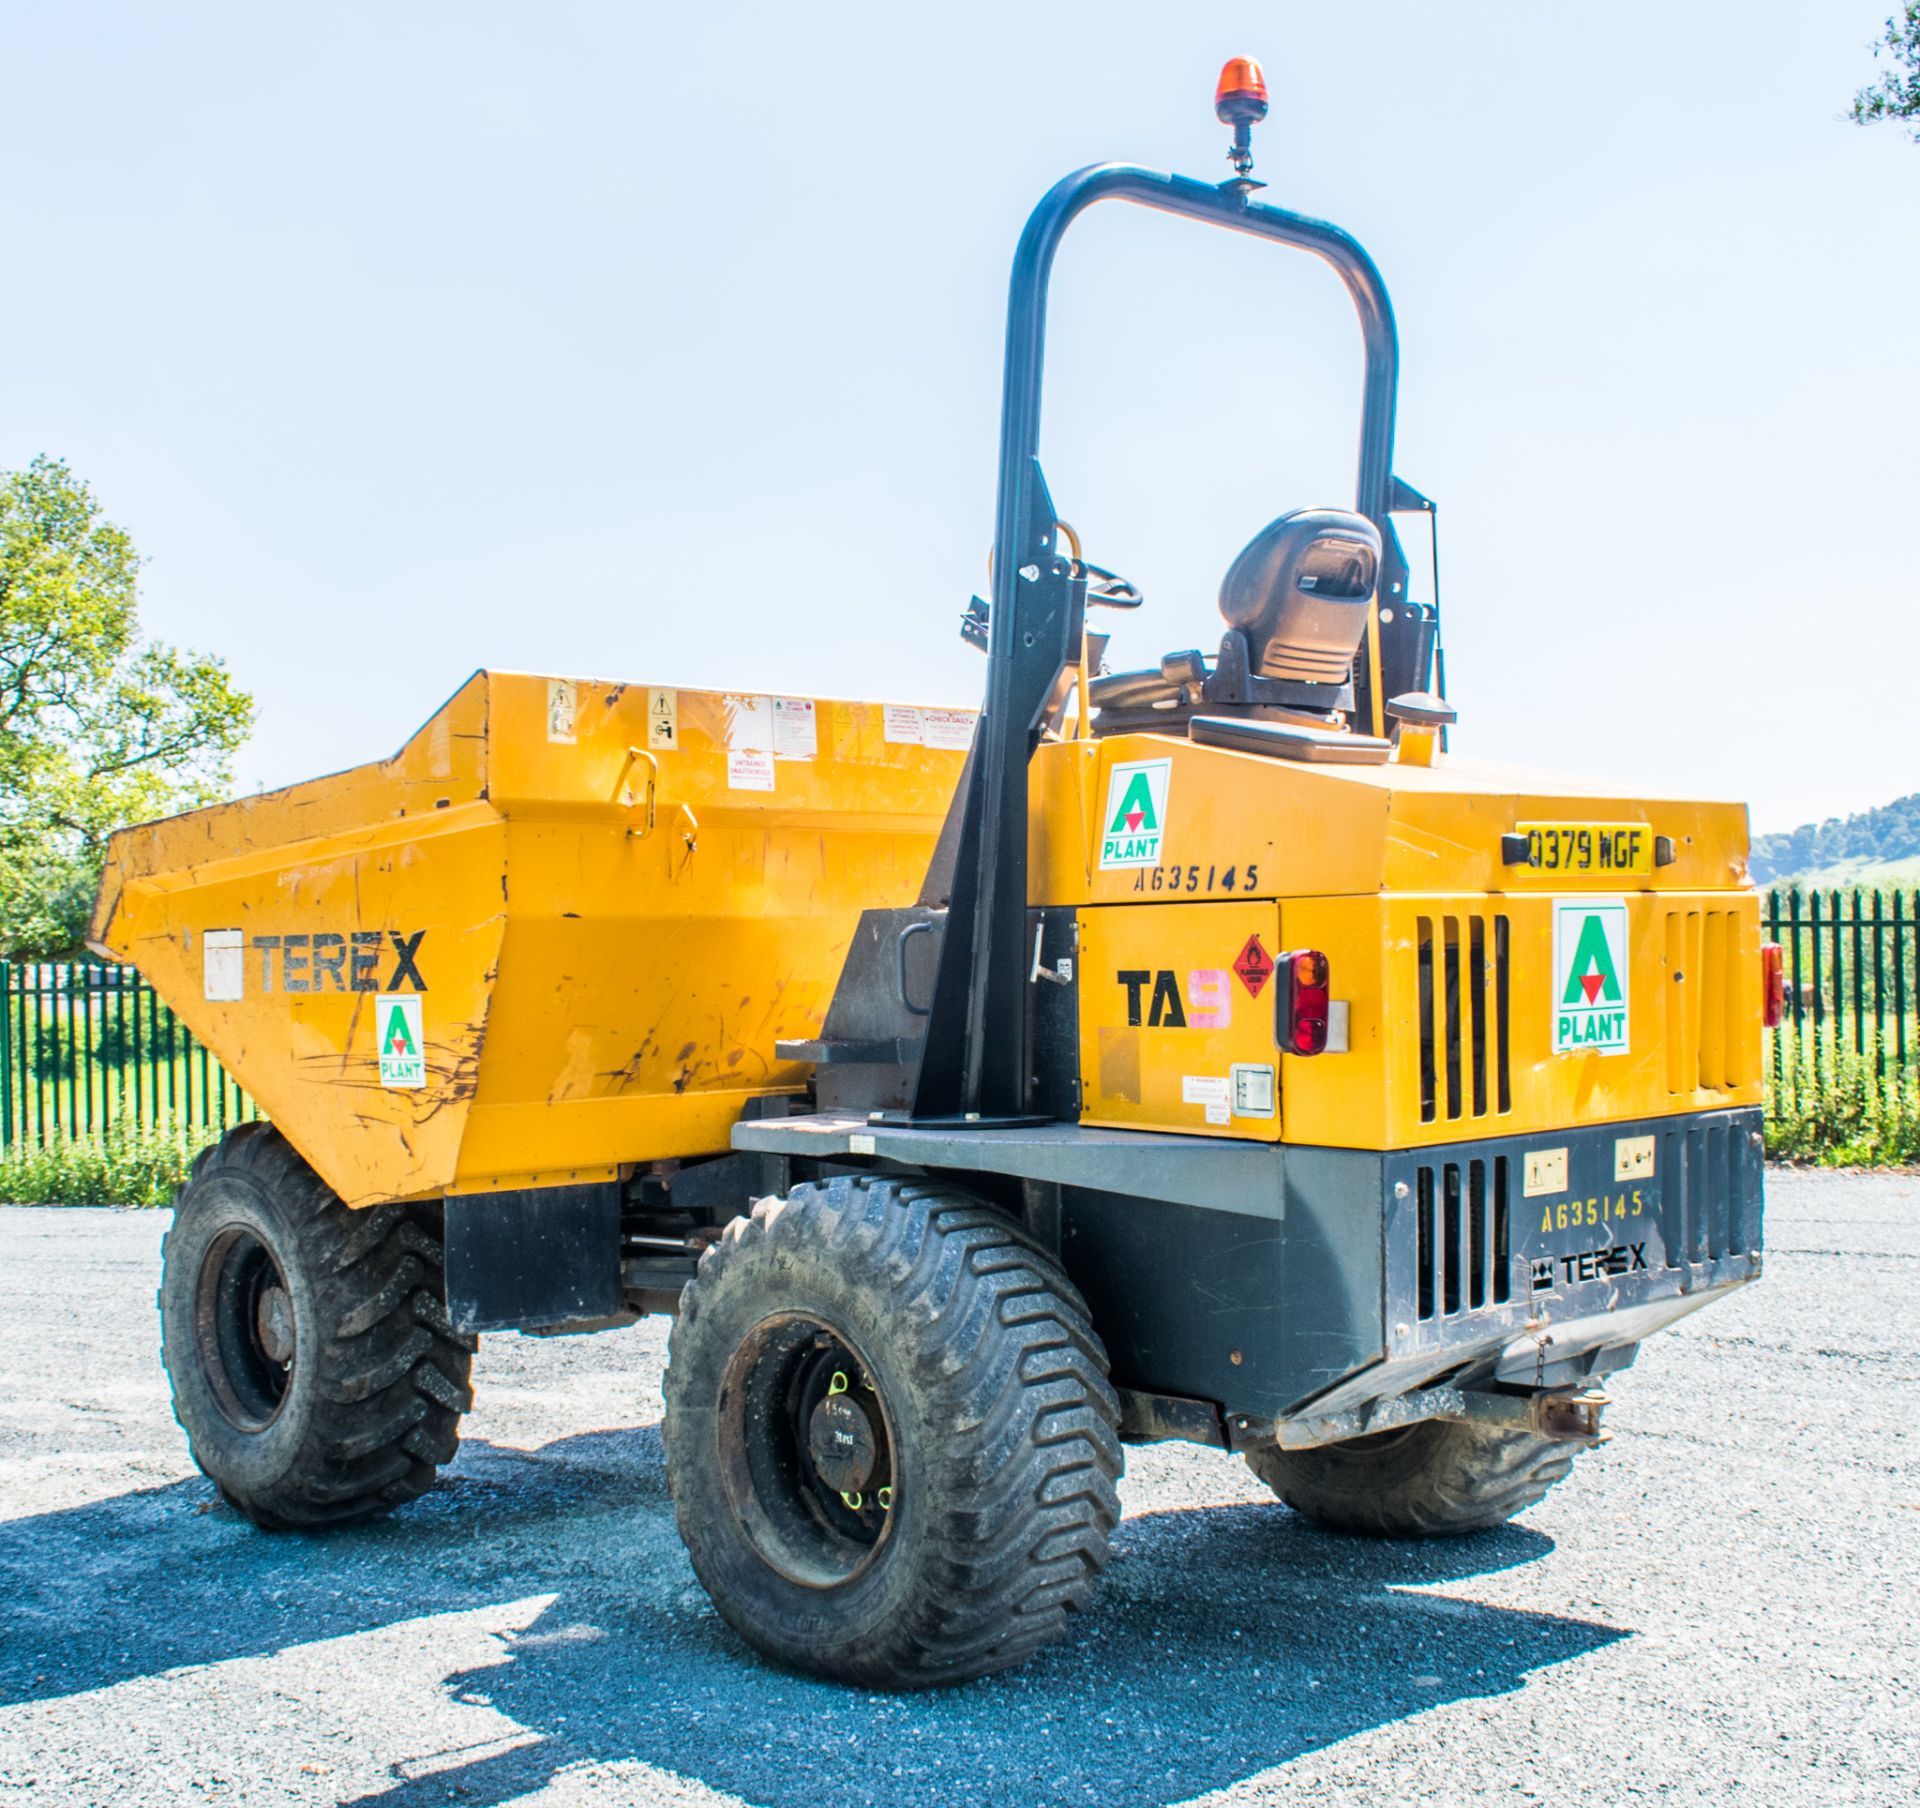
<point>807,1448</point>
<point>273,1323</point>
<point>841,1443</point>
<point>244,1330</point>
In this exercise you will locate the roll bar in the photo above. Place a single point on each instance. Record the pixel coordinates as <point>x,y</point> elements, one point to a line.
<point>975,1066</point>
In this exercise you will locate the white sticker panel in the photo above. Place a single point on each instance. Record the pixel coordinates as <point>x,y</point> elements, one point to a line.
<point>1136,813</point>
<point>904,724</point>
<point>663,719</point>
<point>1214,1095</point>
<point>795,730</point>
<point>749,769</point>
<point>749,743</point>
<point>223,958</point>
<point>563,710</point>
<point>397,1020</point>
<point>1591,973</point>
<point>950,729</point>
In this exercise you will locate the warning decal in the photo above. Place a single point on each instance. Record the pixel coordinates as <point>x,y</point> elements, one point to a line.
<point>403,1060</point>
<point>1254,965</point>
<point>1136,813</point>
<point>1590,968</point>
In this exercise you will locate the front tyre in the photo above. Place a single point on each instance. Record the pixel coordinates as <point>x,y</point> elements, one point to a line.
<point>1432,1479</point>
<point>890,1437</point>
<point>314,1370</point>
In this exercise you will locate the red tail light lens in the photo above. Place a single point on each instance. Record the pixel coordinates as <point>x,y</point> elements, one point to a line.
<point>1303,1000</point>
<point>1773,984</point>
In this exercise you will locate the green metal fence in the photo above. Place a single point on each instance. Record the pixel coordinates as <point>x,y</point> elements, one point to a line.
<point>86,1049</point>
<point>1852,959</point>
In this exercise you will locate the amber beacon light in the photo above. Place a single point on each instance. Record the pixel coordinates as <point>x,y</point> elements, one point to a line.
<point>1240,101</point>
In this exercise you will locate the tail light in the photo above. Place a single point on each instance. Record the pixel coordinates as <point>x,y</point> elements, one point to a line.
<point>1302,1001</point>
<point>1773,984</point>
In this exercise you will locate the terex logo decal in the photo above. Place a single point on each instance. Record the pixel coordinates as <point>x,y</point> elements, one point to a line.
<point>1590,968</point>
<point>1608,1262</point>
<point>1136,813</point>
<point>361,960</point>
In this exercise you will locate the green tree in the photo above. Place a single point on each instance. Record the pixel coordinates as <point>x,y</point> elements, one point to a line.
<point>1896,95</point>
<point>97,726</point>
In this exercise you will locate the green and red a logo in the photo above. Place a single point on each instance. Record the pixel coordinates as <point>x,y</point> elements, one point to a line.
<point>1592,978</point>
<point>1590,965</point>
<point>1136,813</point>
<point>400,1039</point>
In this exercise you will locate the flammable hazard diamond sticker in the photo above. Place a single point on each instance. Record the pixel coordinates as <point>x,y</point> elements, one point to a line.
<point>1254,965</point>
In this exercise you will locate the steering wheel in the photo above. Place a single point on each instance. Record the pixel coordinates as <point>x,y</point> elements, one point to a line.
<point>1108,590</point>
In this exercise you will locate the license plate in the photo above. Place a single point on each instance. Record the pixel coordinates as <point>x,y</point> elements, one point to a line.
<point>1579,848</point>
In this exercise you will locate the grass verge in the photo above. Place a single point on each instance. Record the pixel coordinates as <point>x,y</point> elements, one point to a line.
<point>1845,1117</point>
<point>137,1166</point>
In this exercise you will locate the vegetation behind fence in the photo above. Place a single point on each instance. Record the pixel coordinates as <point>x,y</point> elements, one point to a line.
<point>91,1055</point>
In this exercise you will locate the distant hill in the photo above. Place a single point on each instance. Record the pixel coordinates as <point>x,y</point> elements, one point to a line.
<point>1851,845</point>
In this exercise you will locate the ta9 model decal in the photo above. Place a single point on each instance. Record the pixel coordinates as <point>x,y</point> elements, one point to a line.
<point>1206,1003</point>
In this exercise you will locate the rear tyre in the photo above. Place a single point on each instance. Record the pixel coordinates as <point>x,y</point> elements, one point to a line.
<point>313,1367</point>
<point>1433,1479</point>
<point>890,1437</point>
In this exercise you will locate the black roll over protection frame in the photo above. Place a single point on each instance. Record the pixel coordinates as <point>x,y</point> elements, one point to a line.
<point>976,1066</point>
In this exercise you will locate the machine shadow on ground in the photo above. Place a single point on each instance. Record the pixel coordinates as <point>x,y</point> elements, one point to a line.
<point>1228,1640</point>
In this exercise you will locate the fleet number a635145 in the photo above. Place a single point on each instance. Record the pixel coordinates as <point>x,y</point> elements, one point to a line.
<point>1603,1208</point>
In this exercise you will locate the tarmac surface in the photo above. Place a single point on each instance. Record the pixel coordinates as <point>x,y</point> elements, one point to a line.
<point>1722,1606</point>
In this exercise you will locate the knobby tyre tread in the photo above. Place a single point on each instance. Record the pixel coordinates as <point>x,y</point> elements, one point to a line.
<point>1434,1479</point>
<point>1008,1425</point>
<point>379,1379</point>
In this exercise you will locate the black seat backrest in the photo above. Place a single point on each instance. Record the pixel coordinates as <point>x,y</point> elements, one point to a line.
<point>1299,593</point>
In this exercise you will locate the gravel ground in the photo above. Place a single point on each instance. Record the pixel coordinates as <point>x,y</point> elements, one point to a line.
<point>1720,1607</point>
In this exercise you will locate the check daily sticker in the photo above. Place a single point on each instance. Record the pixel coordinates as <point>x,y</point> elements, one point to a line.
<point>1135,819</point>
<point>1590,971</point>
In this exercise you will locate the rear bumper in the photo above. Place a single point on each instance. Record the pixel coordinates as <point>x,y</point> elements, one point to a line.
<point>1627,1227</point>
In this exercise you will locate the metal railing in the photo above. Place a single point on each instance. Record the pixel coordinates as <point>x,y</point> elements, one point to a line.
<point>88,1049</point>
<point>1851,959</point>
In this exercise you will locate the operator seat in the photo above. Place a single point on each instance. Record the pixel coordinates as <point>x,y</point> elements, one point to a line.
<point>1299,593</point>
<point>1296,602</point>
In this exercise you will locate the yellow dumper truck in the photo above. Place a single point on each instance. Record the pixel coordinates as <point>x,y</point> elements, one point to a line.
<point>1206,1052</point>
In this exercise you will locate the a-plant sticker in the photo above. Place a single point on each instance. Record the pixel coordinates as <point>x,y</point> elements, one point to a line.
<point>1136,815</point>
<point>1590,971</point>
<point>403,1056</point>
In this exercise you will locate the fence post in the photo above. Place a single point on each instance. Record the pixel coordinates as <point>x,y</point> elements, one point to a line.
<point>1899,993</point>
<point>6,1055</point>
<point>1859,982</point>
<point>1879,994</point>
<point>1779,1034</point>
<point>1819,990</point>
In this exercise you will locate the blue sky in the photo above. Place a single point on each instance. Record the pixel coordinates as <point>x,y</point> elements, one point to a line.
<point>664,344</point>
